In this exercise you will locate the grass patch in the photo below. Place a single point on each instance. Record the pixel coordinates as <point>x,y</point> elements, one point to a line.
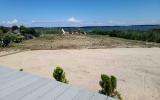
<point>55,41</point>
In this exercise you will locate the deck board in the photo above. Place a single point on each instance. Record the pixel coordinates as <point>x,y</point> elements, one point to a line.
<point>15,81</point>
<point>69,94</point>
<point>25,90</point>
<point>55,93</point>
<point>98,97</point>
<point>40,92</point>
<point>84,95</point>
<point>11,77</point>
<point>16,85</point>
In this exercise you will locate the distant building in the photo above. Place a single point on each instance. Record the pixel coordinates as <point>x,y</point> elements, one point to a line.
<point>73,32</point>
<point>63,31</point>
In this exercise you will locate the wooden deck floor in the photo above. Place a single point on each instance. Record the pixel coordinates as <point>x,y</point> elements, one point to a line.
<point>16,85</point>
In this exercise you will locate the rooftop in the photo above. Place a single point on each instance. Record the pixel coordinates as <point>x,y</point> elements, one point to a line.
<point>16,85</point>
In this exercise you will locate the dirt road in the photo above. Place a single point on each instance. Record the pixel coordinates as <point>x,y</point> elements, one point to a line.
<point>137,69</point>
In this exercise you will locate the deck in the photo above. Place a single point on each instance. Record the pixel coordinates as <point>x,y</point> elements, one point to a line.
<point>16,85</point>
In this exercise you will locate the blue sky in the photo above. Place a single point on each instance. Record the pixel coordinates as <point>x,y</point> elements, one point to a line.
<point>79,12</point>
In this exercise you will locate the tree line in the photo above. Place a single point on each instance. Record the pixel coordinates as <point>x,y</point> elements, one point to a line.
<point>44,30</point>
<point>149,36</point>
<point>16,34</point>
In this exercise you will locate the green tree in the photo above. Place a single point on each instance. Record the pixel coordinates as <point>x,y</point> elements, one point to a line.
<point>1,34</point>
<point>6,39</point>
<point>4,29</point>
<point>23,30</point>
<point>14,28</point>
<point>33,32</point>
<point>11,37</point>
<point>1,31</point>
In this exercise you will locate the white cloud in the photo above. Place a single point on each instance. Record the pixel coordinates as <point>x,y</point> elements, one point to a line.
<point>15,21</point>
<point>73,20</point>
<point>110,21</point>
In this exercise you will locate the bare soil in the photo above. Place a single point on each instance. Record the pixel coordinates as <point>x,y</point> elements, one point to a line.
<point>137,69</point>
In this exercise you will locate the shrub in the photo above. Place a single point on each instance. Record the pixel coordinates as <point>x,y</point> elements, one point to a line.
<point>59,75</point>
<point>113,33</point>
<point>28,31</point>
<point>4,29</point>
<point>6,39</point>
<point>11,37</point>
<point>1,36</point>
<point>33,32</point>
<point>100,32</point>
<point>1,32</point>
<point>114,83</point>
<point>106,85</point>
<point>23,30</point>
<point>28,36</point>
<point>150,35</point>
<point>17,38</point>
<point>21,69</point>
<point>109,85</point>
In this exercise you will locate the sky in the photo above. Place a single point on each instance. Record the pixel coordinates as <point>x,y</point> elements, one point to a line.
<point>53,13</point>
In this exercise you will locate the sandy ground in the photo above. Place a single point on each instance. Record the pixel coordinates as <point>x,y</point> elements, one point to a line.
<point>137,69</point>
<point>8,52</point>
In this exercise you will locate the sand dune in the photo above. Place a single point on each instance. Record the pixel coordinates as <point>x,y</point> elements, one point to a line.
<point>137,69</point>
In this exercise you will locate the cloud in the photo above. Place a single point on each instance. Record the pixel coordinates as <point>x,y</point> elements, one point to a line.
<point>73,20</point>
<point>110,21</point>
<point>15,21</point>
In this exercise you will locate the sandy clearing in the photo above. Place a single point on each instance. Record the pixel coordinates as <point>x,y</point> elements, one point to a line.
<point>137,69</point>
<point>9,52</point>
